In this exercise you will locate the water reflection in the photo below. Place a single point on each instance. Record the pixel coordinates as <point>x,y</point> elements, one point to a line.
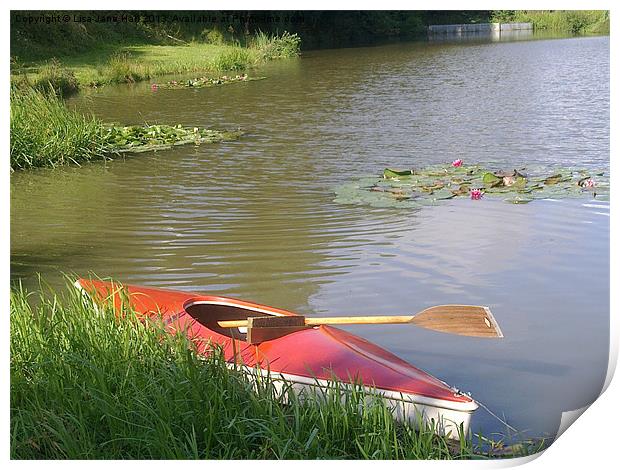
<point>493,35</point>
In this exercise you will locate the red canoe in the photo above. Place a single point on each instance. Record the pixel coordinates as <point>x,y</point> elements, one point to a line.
<point>305,358</point>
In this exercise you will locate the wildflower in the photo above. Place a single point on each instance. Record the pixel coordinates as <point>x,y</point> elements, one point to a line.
<point>476,194</point>
<point>457,163</point>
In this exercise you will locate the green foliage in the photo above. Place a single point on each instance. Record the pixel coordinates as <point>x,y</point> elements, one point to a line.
<point>159,136</point>
<point>44,132</point>
<point>91,384</point>
<point>561,21</point>
<point>54,77</point>
<point>236,58</point>
<point>121,68</point>
<point>277,47</point>
<point>213,36</point>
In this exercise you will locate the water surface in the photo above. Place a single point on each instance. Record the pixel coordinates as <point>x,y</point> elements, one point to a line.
<point>255,219</point>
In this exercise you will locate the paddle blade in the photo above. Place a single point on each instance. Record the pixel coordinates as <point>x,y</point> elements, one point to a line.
<point>465,320</point>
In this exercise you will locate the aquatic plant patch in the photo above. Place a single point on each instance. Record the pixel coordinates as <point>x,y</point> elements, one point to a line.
<point>430,185</point>
<point>206,82</point>
<point>46,133</point>
<point>135,139</point>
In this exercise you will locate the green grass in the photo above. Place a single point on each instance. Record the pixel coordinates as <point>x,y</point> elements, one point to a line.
<point>561,21</point>
<point>276,47</point>
<point>89,384</point>
<point>133,63</point>
<point>53,76</point>
<point>44,132</point>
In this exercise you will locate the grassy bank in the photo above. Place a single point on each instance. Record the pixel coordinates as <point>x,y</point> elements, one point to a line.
<point>108,64</point>
<point>561,21</point>
<point>45,133</point>
<point>88,385</point>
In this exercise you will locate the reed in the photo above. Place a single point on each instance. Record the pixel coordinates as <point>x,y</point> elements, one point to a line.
<point>91,384</point>
<point>236,58</point>
<point>44,132</point>
<point>282,46</point>
<point>123,68</point>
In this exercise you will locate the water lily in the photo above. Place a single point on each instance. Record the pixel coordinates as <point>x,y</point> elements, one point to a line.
<point>154,86</point>
<point>476,194</point>
<point>457,163</point>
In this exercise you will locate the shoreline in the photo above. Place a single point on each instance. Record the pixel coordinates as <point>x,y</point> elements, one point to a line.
<point>135,63</point>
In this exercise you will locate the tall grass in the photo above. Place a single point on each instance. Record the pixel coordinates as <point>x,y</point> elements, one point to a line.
<point>562,21</point>
<point>236,58</point>
<point>90,384</point>
<point>122,68</point>
<point>44,132</point>
<point>53,76</point>
<point>276,47</point>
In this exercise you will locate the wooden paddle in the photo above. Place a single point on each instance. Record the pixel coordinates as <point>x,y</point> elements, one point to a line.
<point>465,320</point>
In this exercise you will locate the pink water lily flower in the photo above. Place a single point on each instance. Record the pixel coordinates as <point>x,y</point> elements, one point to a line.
<point>476,194</point>
<point>154,86</point>
<point>456,163</point>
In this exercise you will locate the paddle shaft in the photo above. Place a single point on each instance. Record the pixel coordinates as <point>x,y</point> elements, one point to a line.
<point>466,320</point>
<point>371,320</point>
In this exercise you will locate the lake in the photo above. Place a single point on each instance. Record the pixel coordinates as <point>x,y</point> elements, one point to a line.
<point>256,218</point>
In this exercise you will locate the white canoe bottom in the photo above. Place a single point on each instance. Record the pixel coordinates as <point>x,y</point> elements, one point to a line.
<point>447,418</point>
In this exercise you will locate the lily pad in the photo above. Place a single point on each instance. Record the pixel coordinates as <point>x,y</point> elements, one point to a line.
<point>555,179</point>
<point>518,200</point>
<point>136,139</point>
<point>391,173</point>
<point>489,179</point>
<point>443,193</point>
<point>206,82</point>
<point>431,185</point>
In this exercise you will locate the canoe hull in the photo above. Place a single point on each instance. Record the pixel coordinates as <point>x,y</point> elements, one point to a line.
<point>414,409</point>
<point>306,360</point>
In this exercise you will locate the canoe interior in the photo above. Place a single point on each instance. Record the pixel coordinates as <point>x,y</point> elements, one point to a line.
<point>208,315</point>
